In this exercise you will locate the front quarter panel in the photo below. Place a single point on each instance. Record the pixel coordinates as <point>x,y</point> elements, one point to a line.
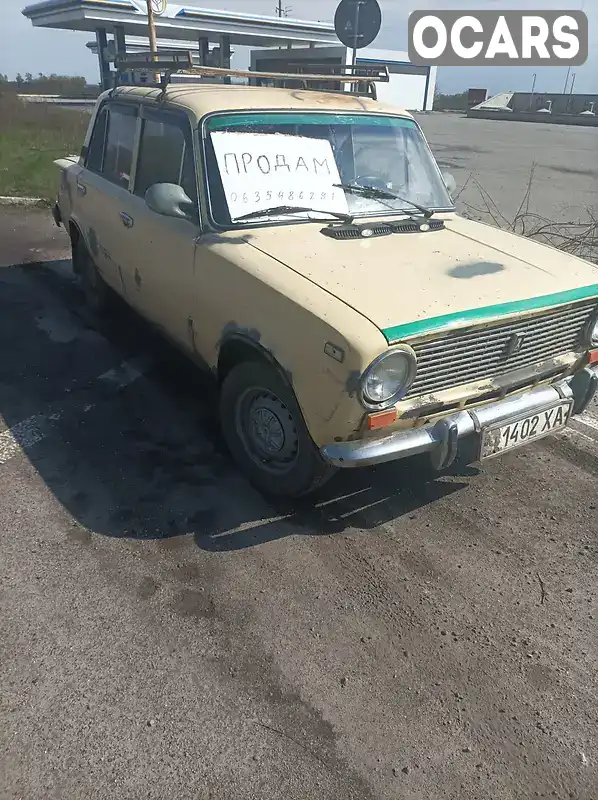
<point>241,290</point>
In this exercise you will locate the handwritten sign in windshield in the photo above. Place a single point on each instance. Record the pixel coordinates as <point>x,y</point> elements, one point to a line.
<point>261,170</point>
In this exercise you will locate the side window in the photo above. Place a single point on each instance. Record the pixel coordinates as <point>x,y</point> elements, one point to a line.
<point>188,180</point>
<point>165,154</point>
<point>118,156</point>
<point>95,151</point>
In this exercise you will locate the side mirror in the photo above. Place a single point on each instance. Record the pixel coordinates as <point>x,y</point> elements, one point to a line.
<point>170,200</point>
<point>450,182</point>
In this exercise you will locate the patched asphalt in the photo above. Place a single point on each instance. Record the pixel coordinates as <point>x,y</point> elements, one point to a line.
<point>165,632</point>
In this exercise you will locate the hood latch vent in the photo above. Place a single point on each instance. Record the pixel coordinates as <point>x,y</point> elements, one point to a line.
<point>365,231</point>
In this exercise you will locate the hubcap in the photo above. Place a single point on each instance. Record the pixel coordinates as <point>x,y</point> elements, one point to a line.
<point>267,430</point>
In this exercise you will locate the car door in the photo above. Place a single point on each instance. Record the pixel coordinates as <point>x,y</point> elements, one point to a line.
<point>160,250</point>
<point>103,184</point>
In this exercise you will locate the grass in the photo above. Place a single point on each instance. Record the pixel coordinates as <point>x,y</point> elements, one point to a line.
<point>32,135</point>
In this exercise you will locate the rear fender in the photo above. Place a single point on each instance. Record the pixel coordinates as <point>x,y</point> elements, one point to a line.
<point>66,196</point>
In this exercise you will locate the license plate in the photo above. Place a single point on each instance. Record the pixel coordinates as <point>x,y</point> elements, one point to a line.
<point>519,432</point>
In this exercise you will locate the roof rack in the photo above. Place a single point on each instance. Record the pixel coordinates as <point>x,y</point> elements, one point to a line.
<point>362,79</point>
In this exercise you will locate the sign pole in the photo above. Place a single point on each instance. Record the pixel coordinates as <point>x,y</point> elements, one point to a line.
<point>356,29</point>
<point>355,32</point>
<point>357,23</point>
<point>152,35</point>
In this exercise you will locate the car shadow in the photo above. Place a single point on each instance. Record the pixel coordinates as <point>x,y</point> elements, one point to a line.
<point>145,459</point>
<point>358,499</point>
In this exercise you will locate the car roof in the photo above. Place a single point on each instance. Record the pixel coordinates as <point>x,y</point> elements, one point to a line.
<point>204,99</point>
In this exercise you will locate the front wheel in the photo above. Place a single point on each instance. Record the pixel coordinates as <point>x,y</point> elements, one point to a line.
<point>265,432</point>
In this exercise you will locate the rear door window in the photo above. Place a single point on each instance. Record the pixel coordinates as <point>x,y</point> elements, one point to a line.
<point>95,151</point>
<point>120,143</point>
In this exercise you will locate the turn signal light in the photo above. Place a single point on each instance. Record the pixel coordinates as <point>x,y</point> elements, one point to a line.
<point>593,357</point>
<point>382,419</point>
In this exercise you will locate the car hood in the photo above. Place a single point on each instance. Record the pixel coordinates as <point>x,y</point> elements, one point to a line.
<point>415,282</point>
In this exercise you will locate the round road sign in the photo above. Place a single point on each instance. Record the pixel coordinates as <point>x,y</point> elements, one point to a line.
<point>357,22</point>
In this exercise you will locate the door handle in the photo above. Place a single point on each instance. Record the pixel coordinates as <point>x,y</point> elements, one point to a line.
<point>81,188</point>
<point>127,221</point>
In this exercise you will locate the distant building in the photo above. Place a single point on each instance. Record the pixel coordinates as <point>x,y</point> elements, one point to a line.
<point>558,108</point>
<point>476,96</point>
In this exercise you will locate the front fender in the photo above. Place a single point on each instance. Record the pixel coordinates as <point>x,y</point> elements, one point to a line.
<point>320,343</point>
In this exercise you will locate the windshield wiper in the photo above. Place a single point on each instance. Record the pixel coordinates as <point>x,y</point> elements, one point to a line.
<point>275,210</point>
<point>380,194</point>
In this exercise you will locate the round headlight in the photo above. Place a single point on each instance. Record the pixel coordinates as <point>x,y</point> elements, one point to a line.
<point>594,333</point>
<point>389,377</point>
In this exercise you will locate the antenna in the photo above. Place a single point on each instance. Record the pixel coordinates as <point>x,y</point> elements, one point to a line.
<point>282,11</point>
<point>567,79</point>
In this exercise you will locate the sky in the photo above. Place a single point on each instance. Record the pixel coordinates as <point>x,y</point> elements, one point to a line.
<point>24,48</point>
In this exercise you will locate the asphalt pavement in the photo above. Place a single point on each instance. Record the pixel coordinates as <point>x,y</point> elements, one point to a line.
<point>167,633</point>
<point>493,161</point>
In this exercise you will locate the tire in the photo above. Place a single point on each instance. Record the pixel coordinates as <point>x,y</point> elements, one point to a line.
<point>98,298</point>
<point>266,434</point>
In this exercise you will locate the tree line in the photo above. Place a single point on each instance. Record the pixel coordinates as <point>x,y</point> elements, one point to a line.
<point>76,86</point>
<point>451,102</point>
<point>64,85</point>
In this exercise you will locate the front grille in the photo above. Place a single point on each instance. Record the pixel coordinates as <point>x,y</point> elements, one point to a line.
<point>474,354</point>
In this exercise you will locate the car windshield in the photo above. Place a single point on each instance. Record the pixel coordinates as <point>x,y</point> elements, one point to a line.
<point>266,160</point>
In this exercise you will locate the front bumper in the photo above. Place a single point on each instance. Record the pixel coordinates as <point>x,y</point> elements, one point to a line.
<point>441,439</point>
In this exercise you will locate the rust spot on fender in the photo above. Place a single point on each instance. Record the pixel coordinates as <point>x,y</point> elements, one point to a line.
<point>353,383</point>
<point>233,327</point>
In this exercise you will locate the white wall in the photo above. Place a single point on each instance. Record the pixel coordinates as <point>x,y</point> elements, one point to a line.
<point>404,91</point>
<point>431,89</point>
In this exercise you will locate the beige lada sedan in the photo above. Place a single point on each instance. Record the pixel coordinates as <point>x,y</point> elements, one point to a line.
<point>303,246</point>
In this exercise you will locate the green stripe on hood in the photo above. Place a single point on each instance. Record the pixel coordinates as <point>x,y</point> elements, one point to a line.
<point>471,316</point>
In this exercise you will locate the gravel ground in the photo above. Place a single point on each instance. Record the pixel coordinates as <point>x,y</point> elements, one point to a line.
<point>164,632</point>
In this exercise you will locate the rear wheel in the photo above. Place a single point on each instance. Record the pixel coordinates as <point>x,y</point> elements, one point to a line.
<point>264,429</point>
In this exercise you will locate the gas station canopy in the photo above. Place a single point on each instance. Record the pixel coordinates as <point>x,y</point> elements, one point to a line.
<point>178,21</point>
<point>277,43</point>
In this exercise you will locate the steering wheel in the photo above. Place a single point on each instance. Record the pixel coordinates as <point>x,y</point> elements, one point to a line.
<point>373,181</point>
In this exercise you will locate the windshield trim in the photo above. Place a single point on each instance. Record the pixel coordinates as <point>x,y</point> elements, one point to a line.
<point>244,224</point>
